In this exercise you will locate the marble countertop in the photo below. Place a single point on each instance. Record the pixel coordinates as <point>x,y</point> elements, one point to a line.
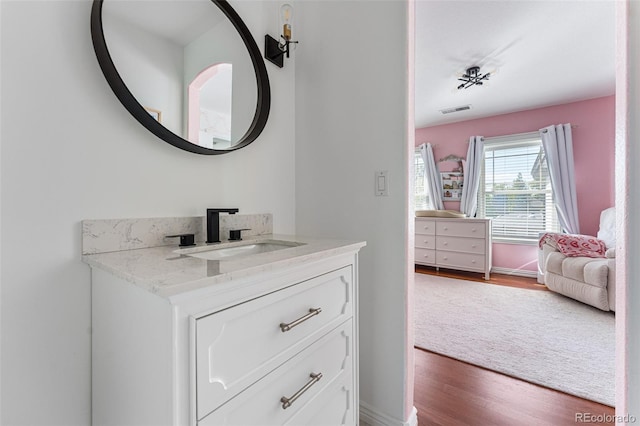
<point>168,270</point>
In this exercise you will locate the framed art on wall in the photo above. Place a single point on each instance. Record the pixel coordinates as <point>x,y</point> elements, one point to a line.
<point>155,113</point>
<point>452,183</point>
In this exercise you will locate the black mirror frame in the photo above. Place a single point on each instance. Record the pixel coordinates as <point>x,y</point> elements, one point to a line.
<point>127,99</point>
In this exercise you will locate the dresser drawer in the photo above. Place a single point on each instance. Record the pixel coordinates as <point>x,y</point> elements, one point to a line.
<point>467,245</point>
<point>461,228</point>
<point>425,227</point>
<point>235,347</point>
<point>425,256</point>
<point>454,260</point>
<point>261,404</point>
<point>425,241</point>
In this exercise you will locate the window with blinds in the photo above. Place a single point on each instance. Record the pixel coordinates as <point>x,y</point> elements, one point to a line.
<point>421,198</point>
<point>515,190</point>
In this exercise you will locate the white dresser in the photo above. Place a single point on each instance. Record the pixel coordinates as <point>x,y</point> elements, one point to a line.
<point>454,243</point>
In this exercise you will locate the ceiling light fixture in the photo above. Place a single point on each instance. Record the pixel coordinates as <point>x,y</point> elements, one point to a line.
<point>472,77</point>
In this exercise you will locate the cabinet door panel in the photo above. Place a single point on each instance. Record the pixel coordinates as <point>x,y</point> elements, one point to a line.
<point>461,228</point>
<point>425,227</point>
<point>261,405</point>
<point>425,241</point>
<point>464,261</point>
<point>467,245</point>
<point>333,407</point>
<point>237,346</point>
<point>425,257</point>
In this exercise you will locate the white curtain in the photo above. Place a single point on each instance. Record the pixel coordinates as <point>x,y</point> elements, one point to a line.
<point>469,200</point>
<point>558,148</point>
<point>433,182</point>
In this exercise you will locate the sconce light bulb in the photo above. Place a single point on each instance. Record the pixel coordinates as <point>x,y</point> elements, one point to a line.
<point>286,15</point>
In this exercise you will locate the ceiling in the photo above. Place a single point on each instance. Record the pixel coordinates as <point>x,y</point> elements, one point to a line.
<point>540,53</point>
<point>178,21</point>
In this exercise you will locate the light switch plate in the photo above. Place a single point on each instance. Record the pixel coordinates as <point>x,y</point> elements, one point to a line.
<point>381,183</point>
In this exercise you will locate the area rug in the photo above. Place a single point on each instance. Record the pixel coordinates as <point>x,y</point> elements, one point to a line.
<point>538,336</point>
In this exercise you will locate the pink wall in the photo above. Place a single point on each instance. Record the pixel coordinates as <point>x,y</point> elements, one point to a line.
<point>593,144</point>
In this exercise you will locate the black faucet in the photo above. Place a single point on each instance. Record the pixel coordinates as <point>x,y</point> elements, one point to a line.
<point>213,223</point>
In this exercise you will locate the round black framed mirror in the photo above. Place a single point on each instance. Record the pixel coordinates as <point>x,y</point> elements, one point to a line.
<point>182,126</point>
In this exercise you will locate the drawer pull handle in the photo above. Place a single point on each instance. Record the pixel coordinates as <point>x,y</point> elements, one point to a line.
<point>312,312</point>
<point>286,402</point>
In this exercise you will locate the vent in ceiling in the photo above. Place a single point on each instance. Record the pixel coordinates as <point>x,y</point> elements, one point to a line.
<point>455,109</point>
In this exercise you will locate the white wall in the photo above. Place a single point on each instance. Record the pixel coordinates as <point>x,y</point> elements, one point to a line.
<point>351,115</point>
<point>70,151</point>
<point>199,54</point>
<point>152,67</point>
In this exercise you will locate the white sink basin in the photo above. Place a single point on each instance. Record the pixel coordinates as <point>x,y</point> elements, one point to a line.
<point>230,252</point>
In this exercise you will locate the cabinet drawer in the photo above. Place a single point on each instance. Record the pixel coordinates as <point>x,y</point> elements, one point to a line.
<point>425,227</point>
<point>468,245</point>
<point>261,403</point>
<point>334,406</point>
<point>425,256</point>
<point>237,346</point>
<point>467,261</point>
<point>461,228</point>
<point>425,241</point>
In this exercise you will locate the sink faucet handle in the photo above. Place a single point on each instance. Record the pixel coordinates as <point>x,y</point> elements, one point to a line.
<point>186,240</point>
<point>235,234</point>
<point>230,211</point>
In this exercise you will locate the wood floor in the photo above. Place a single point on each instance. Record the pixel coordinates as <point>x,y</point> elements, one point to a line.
<point>497,279</point>
<point>449,392</point>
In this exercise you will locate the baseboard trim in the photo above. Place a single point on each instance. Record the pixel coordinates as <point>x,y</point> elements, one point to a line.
<point>372,417</point>
<point>413,417</point>
<point>517,272</point>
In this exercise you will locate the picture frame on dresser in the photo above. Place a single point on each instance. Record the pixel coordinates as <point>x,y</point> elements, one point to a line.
<point>452,183</point>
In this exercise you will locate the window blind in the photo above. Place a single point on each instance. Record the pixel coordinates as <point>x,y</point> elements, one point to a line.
<point>515,189</point>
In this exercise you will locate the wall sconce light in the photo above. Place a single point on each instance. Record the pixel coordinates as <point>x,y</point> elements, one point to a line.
<point>275,50</point>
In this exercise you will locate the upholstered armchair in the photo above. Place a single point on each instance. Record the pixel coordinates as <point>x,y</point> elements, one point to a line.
<point>587,278</point>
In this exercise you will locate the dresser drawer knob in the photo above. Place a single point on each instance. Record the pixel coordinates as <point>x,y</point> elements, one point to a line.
<point>312,312</point>
<point>286,402</point>
<point>445,243</point>
<point>473,261</point>
<point>473,230</point>
<point>474,246</point>
<point>446,229</point>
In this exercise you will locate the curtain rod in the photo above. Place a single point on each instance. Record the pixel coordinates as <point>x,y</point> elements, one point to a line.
<point>433,145</point>
<point>520,135</point>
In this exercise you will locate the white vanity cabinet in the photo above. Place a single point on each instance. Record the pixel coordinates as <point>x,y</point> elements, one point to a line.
<point>275,348</point>
<point>454,243</point>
